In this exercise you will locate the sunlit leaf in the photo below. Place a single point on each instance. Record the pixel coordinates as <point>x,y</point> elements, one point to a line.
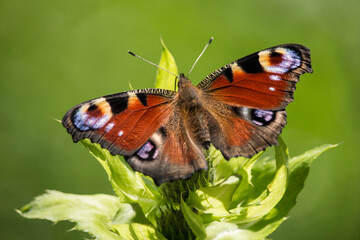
<point>194,220</point>
<point>164,79</point>
<point>129,185</point>
<point>131,223</point>
<point>91,213</point>
<point>214,200</point>
<point>261,206</point>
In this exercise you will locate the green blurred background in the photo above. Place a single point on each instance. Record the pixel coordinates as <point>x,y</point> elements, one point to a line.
<point>55,54</point>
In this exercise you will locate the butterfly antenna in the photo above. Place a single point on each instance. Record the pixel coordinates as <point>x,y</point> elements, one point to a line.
<point>133,54</point>
<point>211,39</point>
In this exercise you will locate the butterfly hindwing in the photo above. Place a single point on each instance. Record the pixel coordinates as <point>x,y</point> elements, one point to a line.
<point>241,131</point>
<point>169,154</point>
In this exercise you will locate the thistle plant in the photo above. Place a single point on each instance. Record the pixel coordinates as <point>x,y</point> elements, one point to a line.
<point>243,198</point>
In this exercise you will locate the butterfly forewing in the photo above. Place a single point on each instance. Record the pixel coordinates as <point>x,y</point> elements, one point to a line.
<point>262,80</point>
<point>122,122</point>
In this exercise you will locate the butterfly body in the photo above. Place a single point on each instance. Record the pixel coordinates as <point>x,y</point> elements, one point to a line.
<point>239,108</point>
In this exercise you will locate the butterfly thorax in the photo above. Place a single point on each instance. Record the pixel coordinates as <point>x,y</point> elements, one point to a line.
<point>192,113</point>
<point>189,95</point>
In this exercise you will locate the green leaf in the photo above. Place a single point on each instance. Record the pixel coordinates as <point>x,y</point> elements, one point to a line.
<point>231,231</point>
<point>131,223</point>
<point>262,205</point>
<point>309,156</point>
<point>130,186</point>
<point>91,213</point>
<point>263,171</point>
<point>226,230</point>
<point>221,168</point>
<point>246,187</point>
<point>194,221</point>
<point>213,202</point>
<point>299,168</point>
<point>164,79</point>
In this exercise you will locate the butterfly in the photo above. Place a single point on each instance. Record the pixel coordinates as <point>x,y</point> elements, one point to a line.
<point>239,109</point>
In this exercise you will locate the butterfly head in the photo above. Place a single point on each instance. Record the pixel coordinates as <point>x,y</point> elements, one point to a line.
<point>183,83</point>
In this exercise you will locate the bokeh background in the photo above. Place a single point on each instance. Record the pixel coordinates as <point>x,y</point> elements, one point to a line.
<point>55,54</point>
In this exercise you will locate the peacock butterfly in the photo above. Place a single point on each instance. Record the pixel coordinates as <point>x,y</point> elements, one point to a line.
<point>239,109</point>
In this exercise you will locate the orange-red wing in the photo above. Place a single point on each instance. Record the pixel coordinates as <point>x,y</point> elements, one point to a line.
<point>241,131</point>
<point>122,122</point>
<point>169,154</point>
<point>262,80</point>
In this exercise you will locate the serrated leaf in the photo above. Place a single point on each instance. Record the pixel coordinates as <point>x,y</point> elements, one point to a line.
<point>194,221</point>
<point>91,213</point>
<point>231,231</point>
<point>130,186</point>
<point>131,223</point>
<point>261,206</point>
<point>246,187</point>
<point>136,231</point>
<point>222,230</point>
<point>298,171</point>
<point>222,168</point>
<point>164,79</point>
<point>299,168</point>
<point>309,156</point>
<point>214,200</point>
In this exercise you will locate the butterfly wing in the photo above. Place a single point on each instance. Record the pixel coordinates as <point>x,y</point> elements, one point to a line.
<point>175,154</point>
<point>144,127</point>
<point>121,122</point>
<point>246,98</point>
